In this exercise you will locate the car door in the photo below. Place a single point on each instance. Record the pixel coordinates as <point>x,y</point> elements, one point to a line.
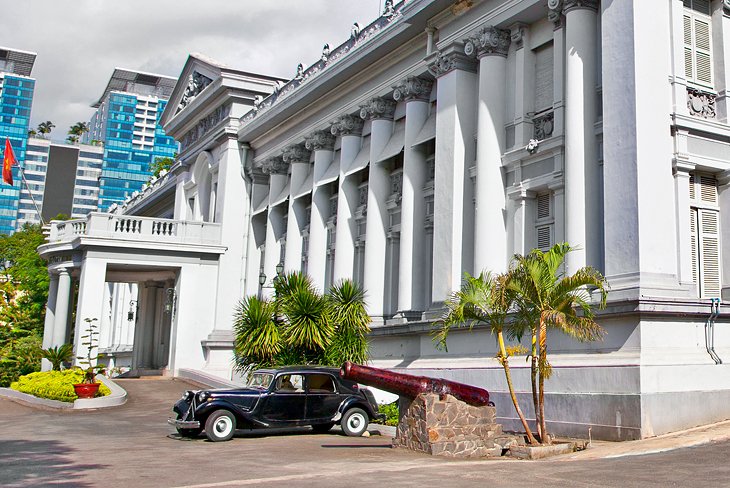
<point>287,400</point>
<point>323,399</point>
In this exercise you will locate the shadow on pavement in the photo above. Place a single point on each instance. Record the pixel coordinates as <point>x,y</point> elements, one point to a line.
<point>40,463</point>
<point>357,446</point>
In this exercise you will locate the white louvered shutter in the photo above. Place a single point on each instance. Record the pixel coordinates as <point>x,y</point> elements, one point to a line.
<point>709,252</point>
<point>695,239</point>
<point>697,37</point>
<point>544,226</point>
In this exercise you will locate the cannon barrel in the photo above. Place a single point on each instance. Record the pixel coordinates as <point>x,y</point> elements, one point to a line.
<point>411,386</point>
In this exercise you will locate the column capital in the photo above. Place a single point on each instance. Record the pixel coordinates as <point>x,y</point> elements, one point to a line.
<point>347,125</point>
<point>681,166</point>
<point>488,41</point>
<point>295,153</point>
<point>569,5</point>
<point>63,271</point>
<point>274,166</point>
<point>320,140</point>
<point>726,6</point>
<point>450,59</point>
<point>555,11</point>
<point>377,108</point>
<point>413,88</point>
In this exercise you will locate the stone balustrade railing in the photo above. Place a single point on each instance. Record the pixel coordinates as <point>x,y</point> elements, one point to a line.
<point>136,228</point>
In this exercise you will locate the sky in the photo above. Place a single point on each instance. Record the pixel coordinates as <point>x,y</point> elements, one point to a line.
<point>80,42</point>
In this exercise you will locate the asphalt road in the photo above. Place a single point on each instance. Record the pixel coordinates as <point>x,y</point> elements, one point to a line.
<point>133,446</point>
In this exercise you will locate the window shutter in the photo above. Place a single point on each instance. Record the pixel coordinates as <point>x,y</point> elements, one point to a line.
<point>544,77</point>
<point>543,206</point>
<point>544,238</point>
<point>689,69</point>
<point>691,187</point>
<point>708,189</point>
<point>697,40</point>
<point>703,58</point>
<point>544,227</point>
<point>695,257</point>
<point>710,252</point>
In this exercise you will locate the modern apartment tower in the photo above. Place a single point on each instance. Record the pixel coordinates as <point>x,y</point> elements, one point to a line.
<point>127,123</point>
<point>16,98</point>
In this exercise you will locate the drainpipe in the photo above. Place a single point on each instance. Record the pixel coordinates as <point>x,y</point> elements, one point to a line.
<point>245,151</point>
<point>710,330</point>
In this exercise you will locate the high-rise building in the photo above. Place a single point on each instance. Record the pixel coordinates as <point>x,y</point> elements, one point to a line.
<point>127,123</point>
<point>74,169</point>
<point>16,98</point>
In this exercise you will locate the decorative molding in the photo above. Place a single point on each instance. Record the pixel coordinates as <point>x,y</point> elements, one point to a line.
<point>488,41</point>
<point>347,125</point>
<point>450,59</point>
<point>377,108</point>
<point>701,103</point>
<point>296,153</point>
<point>320,140</point>
<point>555,11</point>
<point>413,88</point>
<point>274,166</point>
<point>517,34</point>
<point>388,9</point>
<point>196,83</point>
<point>543,126</point>
<point>726,6</point>
<point>204,126</point>
<point>569,5</point>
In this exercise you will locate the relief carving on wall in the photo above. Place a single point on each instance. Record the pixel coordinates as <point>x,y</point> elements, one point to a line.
<point>196,84</point>
<point>701,104</point>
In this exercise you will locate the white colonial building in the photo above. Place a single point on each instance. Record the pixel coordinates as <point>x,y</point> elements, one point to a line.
<point>441,139</point>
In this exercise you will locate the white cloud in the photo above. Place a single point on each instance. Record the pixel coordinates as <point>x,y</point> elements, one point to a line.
<point>80,42</point>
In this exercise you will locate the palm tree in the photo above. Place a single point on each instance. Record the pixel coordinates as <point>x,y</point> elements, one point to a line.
<point>485,299</point>
<point>553,299</point>
<point>258,337</point>
<point>32,133</point>
<point>77,130</point>
<point>45,128</point>
<point>352,323</point>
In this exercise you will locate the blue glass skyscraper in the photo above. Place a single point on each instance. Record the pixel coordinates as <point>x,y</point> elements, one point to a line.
<point>16,99</point>
<point>127,123</point>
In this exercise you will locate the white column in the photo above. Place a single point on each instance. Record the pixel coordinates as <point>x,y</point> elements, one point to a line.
<point>684,234</point>
<point>298,157</point>
<point>721,48</point>
<point>322,144</point>
<point>276,168</point>
<point>455,150</point>
<point>49,320</point>
<point>60,317</point>
<point>490,46</point>
<point>412,261</point>
<point>349,128</point>
<point>524,60</point>
<point>91,296</point>
<point>640,223</point>
<point>559,51</point>
<point>380,111</point>
<point>256,233</point>
<point>723,181</point>
<point>583,220</point>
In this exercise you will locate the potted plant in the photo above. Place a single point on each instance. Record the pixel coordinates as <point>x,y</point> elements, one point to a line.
<point>89,387</point>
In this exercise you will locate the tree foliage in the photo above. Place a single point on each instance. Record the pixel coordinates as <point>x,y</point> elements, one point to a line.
<point>301,326</point>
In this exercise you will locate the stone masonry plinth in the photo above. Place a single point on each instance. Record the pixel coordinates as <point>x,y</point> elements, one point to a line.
<point>447,427</point>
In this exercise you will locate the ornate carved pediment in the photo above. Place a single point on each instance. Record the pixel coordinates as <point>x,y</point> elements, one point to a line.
<point>413,88</point>
<point>204,126</point>
<point>377,108</point>
<point>488,41</point>
<point>196,83</point>
<point>296,153</point>
<point>274,166</point>
<point>346,125</point>
<point>320,139</point>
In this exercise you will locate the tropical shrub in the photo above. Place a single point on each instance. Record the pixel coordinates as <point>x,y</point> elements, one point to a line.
<point>19,355</point>
<point>301,326</point>
<point>58,355</point>
<point>391,413</point>
<point>54,385</point>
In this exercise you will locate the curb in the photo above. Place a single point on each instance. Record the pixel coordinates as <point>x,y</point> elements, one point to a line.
<point>117,397</point>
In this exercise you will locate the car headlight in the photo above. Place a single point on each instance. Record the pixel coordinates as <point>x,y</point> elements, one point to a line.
<point>202,396</point>
<point>186,395</point>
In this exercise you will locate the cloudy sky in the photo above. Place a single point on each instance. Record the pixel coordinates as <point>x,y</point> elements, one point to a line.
<point>80,42</point>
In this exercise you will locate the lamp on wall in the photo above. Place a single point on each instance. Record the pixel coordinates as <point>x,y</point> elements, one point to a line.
<point>262,278</point>
<point>170,299</point>
<point>132,309</point>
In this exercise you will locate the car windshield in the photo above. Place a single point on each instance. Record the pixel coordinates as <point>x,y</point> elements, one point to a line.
<point>260,380</point>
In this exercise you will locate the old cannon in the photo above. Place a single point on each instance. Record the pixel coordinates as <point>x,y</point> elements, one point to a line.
<point>411,386</point>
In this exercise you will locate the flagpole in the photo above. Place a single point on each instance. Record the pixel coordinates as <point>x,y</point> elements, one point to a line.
<point>27,187</point>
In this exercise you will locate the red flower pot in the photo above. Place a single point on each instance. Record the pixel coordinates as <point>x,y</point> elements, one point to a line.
<point>86,390</point>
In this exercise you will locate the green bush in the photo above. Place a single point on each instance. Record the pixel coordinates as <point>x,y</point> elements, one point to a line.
<point>19,355</point>
<point>54,385</point>
<point>391,413</point>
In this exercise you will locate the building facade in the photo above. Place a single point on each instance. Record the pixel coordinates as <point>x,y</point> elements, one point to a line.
<point>126,122</point>
<point>16,99</point>
<point>447,136</point>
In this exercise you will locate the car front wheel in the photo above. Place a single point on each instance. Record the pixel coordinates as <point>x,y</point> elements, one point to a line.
<point>220,426</point>
<point>355,422</point>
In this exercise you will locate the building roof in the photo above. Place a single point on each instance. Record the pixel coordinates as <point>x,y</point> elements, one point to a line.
<point>138,82</point>
<point>16,61</point>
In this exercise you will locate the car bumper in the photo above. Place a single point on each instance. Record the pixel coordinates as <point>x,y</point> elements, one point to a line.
<point>184,424</point>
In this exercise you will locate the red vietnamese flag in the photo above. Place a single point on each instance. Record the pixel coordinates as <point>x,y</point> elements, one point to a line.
<point>8,162</point>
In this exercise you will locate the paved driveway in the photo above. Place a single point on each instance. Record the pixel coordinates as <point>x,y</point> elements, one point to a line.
<point>132,446</point>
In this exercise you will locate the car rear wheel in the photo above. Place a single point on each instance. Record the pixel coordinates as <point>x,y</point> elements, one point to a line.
<point>220,426</point>
<point>355,422</point>
<point>322,428</point>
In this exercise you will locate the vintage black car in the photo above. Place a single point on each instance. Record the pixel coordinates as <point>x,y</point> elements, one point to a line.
<point>277,398</point>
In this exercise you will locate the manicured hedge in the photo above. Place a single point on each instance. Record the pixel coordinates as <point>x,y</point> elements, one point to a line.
<point>54,385</point>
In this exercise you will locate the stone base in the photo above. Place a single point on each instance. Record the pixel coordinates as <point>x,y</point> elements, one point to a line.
<point>541,452</point>
<point>449,427</point>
